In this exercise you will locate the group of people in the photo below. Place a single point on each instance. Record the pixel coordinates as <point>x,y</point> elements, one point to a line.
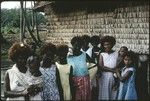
<point>89,70</point>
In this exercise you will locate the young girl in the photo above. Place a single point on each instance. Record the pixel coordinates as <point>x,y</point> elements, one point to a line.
<point>81,79</point>
<point>123,50</point>
<point>107,63</point>
<point>127,89</point>
<point>52,88</point>
<point>95,41</point>
<point>64,70</point>
<point>16,84</point>
<point>35,79</point>
<point>85,45</point>
<point>120,64</point>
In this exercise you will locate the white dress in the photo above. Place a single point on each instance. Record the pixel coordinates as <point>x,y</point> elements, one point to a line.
<point>106,80</point>
<point>88,51</point>
<point>17,81</point>
<point>64,71</point>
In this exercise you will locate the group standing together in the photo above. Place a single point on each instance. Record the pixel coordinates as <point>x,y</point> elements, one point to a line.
<point>89,70</point>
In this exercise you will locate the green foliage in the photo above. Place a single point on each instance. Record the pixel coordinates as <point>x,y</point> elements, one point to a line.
<point>11,17</point>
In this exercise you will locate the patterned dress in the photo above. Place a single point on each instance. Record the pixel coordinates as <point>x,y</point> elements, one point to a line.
<point>81,79</point>
<point>127,89</point>
<point>64,71</point>
<point>50,88</point>
<point>106,80</point>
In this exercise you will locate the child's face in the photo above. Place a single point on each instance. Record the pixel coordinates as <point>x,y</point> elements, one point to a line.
<point>34,66</point>
<point>127,61</point>
<point>107,46</point>
<point>122,51</point>
<point>76,46</point>
<point>85,43</point>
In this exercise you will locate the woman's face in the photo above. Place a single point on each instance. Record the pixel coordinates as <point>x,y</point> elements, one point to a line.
<point>107,46</point>
<point>21,61</point>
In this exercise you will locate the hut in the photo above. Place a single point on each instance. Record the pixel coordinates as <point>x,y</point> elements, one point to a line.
<point>127,21</point>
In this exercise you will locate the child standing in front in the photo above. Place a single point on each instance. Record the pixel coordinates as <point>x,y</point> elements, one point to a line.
<point>127,89</point>
<point>81,79</point>
<point>64,70</point>
<point>52,88</point>
<point>33,63</point>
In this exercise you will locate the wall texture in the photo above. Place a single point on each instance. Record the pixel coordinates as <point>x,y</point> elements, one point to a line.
<point>128,22</point>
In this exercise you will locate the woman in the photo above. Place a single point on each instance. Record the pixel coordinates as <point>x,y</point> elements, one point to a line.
<point>107,65</point>
<point>16,85</point>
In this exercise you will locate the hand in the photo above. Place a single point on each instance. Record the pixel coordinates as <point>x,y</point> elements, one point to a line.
<point>33,90</point>
<point>25,92</point>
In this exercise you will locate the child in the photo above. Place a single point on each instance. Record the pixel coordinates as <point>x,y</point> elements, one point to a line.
<point>120,64</point>
<point>33,63</point>
<point>85,45</point>
<point>52,88</point>
<point>95,41</point>
<point>123,50</point>
<point>64,70</point>
<point>16,84</point>
<point>127,89</point>
<point>81,79</point>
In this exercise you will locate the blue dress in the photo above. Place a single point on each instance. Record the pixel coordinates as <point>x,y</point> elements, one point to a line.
<point>127,89</point>
<point>79,64</point>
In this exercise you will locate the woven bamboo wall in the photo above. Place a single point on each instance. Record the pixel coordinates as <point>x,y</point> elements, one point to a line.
<point>128,23</point>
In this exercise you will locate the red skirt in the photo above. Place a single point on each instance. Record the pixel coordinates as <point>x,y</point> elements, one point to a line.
<point>82,88</point>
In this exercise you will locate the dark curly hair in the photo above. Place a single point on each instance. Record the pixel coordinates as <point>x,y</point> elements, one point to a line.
<point>47,47</point>
<point>86,38</point>
<point>77,39</point>
<point>95,39</point>
<point>62,50</point>
<point>109,39</point>
<point>130,54</point>
<point>17,50</point>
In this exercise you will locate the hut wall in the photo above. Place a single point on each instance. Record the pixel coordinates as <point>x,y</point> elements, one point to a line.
<point>128,22</point>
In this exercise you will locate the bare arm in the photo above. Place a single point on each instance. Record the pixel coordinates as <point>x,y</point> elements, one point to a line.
<point>8,92</point>
<point>89,59</point>
<point>125,77</point>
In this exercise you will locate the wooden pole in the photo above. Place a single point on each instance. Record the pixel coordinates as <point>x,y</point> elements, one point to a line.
<point>24,20</point>
<point>21,21</point>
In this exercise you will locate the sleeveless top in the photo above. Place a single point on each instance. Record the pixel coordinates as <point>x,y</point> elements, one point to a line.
<point>18,81</point>
<point>127,90</point>
<point>110,60</point>
<point>50,88</point>
<point>64,71</point>
<point>79,64</point>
